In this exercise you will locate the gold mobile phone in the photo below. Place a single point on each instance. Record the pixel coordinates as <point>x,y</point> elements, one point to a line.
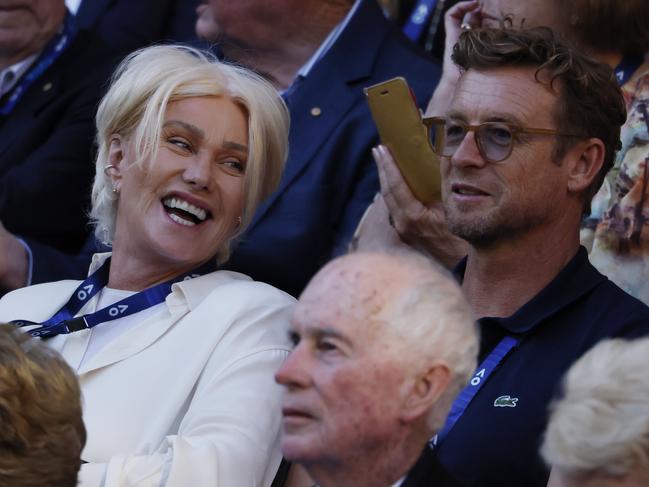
<point>401,129</point>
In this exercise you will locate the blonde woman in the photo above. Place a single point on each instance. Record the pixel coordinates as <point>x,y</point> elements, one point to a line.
<point>175,359</point>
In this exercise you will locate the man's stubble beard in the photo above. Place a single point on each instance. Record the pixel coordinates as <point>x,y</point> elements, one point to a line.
<point>487,230</point>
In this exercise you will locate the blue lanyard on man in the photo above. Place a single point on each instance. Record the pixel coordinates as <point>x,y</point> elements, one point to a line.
<point>63,321</point>
<point>486,368</point>
<point>51,53</point>
<point>418,20</point>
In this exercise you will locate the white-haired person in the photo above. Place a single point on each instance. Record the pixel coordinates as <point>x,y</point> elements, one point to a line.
<point>175,359</point>
<point>383,345</point>
<point>598,432</point>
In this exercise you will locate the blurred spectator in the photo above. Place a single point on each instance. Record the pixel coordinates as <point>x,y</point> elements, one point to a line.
<point>51,80</point>
<point>125,25</point>
<point>598,433</point>
<point>617,230</point>
<point>423,22</point>
<point>320,54</point>
<point>40,409</point>
<point>383,344</point>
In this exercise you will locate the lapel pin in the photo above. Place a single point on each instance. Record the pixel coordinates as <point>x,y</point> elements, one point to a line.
<point>47,86</point>
<point>316,111</point>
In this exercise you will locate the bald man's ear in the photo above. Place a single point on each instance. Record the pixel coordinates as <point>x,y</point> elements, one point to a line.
<point>425,391</point>
<point>585,160</point>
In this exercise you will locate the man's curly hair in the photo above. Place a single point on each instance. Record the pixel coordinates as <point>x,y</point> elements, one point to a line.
<point>41,430</point>
<point>590,102</point>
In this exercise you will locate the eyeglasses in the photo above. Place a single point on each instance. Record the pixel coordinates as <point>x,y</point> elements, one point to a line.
<point>495,140</point>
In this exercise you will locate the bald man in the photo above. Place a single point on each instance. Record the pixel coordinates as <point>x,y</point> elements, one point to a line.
<point>383,343</point>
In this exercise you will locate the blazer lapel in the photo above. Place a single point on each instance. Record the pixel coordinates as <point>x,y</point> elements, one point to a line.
<point>185,296</point>
<point>329,92</point>
<point>136,339</point>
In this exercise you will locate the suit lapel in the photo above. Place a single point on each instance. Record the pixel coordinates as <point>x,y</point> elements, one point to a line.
<point>90,11</point>
<point>44,91</point>
<point>329,91</point>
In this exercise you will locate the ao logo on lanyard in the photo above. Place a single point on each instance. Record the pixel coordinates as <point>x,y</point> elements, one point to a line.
<point>63,321</point>
<point>486,368</point>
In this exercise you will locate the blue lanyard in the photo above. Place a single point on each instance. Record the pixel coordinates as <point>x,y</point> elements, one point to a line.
<point>629,64</point>
<point>418,19</point>
<point>63,321</point>
<point>50,54</point>
<point>481,375</point>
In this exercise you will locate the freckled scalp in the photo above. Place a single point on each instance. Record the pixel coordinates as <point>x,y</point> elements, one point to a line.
<point>402,309</point>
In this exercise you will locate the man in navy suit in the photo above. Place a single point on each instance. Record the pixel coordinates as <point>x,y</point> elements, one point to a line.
<point>320,54</point>
<point>51,77</point>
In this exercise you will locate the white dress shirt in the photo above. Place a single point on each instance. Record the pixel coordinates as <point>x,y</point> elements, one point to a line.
<point>73,5</point>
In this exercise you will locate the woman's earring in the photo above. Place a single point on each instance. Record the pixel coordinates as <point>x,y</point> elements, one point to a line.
<point>107,169</point>
<point>238,221</point>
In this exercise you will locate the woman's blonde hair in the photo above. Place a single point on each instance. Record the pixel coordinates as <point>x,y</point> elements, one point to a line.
<point>135,104</point>
<point>601,424</point>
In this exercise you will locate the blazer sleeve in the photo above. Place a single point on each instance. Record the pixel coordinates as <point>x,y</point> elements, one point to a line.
<point>50,264</point>
<point>230,433</point>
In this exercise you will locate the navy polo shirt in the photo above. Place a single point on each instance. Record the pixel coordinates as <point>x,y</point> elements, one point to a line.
<point>496,443</point>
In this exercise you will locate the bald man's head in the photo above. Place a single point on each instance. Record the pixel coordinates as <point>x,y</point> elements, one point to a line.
<point>404,295</point>
<point>383,345</point>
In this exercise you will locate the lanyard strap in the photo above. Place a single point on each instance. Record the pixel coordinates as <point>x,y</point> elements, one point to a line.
<point>419,18</point>
<point>629,64</point>
<point>50,54</point>
<point>63,322</point>
<point>481,375</point>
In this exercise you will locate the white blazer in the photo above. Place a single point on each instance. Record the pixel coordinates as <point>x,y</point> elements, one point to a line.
<point>187,396</point>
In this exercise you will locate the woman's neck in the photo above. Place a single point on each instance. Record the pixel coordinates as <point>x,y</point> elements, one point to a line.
<point>133,272</point>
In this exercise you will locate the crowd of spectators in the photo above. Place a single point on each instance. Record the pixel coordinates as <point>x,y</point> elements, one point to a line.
<point>214,273</point>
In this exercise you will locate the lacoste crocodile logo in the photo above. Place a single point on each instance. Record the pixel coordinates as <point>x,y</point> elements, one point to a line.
<point>505,402</point>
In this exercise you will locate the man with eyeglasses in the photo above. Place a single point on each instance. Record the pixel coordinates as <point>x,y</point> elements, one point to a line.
<point>529,135</point>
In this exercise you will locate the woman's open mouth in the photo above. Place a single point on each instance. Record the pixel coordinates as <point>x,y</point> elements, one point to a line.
<point>183,212</point>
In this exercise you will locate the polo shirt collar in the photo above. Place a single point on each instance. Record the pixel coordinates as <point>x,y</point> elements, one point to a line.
<point>575,280</point>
